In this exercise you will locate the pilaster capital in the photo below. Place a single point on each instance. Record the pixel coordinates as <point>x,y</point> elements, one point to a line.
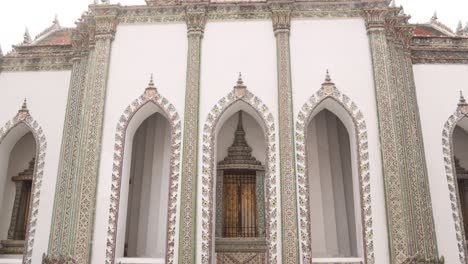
<point>195,17</point>
<point>105,17</point>
<point>375,19</point>
<point>281,16</point>
<point>399,31</point>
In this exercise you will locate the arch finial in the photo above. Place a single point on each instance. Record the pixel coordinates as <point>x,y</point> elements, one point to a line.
<point>240,87</point>
<point>327,77</point>
<point>24,111</point>
<point>328,86</point>
<point>151,91</point>
<point>462,104</point>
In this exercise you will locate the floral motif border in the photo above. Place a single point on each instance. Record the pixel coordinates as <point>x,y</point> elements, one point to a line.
<point>447,150</point>
<point>208,172</point>
<point>169,111</point>
<point>41,146</point>
<point>304,116</point>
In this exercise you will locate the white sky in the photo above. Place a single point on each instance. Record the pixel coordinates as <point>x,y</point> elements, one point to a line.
<point>37,15</point>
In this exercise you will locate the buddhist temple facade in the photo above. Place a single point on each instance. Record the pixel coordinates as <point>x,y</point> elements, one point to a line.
<point>264,131</point>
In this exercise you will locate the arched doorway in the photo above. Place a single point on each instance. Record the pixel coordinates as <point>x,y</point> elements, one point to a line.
<point>227,107</point>
<point>16,187</point>
<point>454,142</point>
<point>145,182</point>
<point>22,154</point>
<point>334,192</point>
<point>240,191</point>
<point>334,196</point>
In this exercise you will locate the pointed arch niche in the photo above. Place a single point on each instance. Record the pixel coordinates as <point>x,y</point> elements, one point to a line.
<point>334,201</point>
<point>224,138</point>
<point>22,154</point>
<point>454,142</point>
<point>145,182</point>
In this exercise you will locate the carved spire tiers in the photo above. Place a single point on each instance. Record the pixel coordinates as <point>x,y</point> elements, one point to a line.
<point>240,153</point>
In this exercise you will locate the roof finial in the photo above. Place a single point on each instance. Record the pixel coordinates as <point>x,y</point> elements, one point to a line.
<point>392,3</point>
<point>26,37</point>
<point>402,11</point>
<point>459,28</point>
<point>434,16</point>
<point>56,20</point>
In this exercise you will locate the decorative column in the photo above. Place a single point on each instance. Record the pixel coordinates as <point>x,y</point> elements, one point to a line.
<point>195,17</point>
<point>260,199</point>
<point>219,203</point>
<point>409,211</point>
<point>73,219</point>
<point>281,16</point>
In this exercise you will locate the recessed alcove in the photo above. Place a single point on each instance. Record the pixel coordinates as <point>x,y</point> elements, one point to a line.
<point>17,164</point>
<point>144,194</point>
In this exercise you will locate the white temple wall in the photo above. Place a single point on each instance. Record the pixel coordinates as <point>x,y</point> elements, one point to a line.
<point>46,93</point>
<point>227,49</point>
<point>137,51</point>
<point>437,88</point>
<point>342,46</point>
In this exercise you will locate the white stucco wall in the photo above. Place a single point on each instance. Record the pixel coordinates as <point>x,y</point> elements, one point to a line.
<point>342,47</point>
<point>137,51</point>
<point>437,88</point>
<point>230,48</point>
<point>46,93</point>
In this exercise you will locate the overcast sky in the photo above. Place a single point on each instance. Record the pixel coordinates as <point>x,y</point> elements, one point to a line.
<point>37,15</point>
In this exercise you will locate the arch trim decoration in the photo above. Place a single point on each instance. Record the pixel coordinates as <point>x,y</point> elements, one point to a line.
<point>449,164</point>
<point>151,95</point>
<point>240,93</point>
<point>329,91</point>
<point>24,117</point>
